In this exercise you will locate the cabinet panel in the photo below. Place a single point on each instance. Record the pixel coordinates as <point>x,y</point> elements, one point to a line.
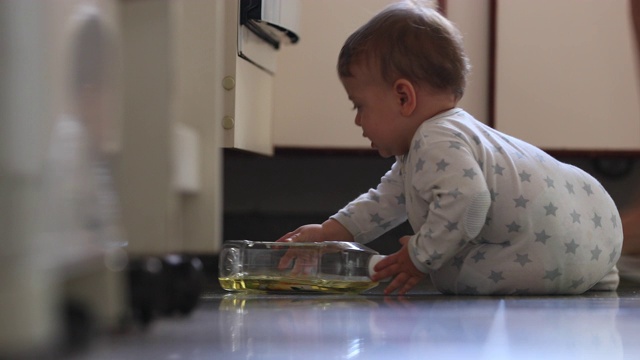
<point>170,84</point>
<point>248,95</point>
<point>251,109</point>
<point>566,76</point>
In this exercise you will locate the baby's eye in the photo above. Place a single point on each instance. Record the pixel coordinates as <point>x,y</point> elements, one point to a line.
<point>355,107</point>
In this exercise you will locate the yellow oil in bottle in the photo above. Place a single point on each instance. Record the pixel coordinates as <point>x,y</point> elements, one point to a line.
<point>283,283</point>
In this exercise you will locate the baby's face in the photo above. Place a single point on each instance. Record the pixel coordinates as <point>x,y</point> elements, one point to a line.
<point>376,111</point>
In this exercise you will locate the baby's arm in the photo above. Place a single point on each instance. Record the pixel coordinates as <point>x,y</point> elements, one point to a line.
<point>348,222</point>
<point>376,211</point>
<point>330,230</point>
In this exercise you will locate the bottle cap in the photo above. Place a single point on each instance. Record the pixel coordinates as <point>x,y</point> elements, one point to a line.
<point>372,263</point>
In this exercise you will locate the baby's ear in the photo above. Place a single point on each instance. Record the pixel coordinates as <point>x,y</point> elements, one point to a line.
<point>406,96</point>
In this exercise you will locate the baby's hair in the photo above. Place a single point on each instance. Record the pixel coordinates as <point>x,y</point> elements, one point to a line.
<point>412,40</point>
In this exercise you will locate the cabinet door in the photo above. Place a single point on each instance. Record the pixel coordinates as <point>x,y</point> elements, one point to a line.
<point>170,85</point>
<point>248,89</point>
<point>566,76</point>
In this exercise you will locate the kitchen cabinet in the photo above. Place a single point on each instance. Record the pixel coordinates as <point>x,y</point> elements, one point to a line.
<point>250,66</point>
<point>311,108</point>
<point>59,117</point>
<point>172,98</point>
<point>566,74</point>
<point>246,120</point>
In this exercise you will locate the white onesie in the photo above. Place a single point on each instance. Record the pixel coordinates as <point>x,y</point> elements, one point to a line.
<point>492,214</point>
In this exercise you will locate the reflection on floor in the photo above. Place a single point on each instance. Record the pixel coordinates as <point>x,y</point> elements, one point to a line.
<point>422,325</point>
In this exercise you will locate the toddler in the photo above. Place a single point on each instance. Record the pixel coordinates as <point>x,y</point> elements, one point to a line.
<point>492,214</point>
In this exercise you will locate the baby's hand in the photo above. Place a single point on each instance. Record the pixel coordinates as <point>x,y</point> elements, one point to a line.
<point>400,267</point>
<point>329,230</point>
<point>306,233</point>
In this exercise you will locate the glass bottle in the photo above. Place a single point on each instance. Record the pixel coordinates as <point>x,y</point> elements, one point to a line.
<point>330,266</point>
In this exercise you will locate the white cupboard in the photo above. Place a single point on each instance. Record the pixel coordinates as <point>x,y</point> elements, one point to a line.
<point>566,74</point>
<point>170,174</point>
<point>250,66</point>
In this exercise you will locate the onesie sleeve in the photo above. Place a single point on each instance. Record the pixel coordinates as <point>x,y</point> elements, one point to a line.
<point>451,180</point>
<point>378,210</point>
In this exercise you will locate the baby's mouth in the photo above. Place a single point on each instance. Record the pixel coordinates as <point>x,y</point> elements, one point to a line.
<point>373,146</point>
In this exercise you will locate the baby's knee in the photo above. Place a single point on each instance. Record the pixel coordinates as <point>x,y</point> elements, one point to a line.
<point>523,278</point>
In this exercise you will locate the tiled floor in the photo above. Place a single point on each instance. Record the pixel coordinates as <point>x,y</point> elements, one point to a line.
<point>425,325</point>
